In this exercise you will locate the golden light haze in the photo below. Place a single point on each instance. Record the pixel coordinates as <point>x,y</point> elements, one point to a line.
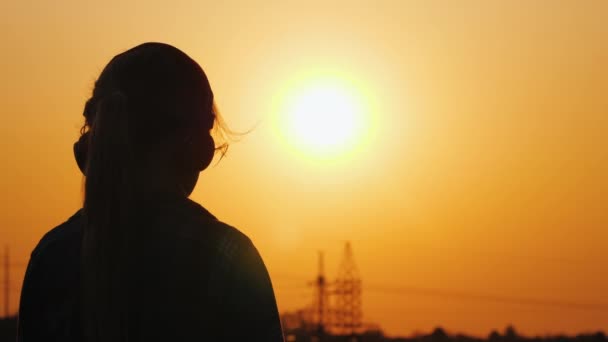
<point>484,171</point>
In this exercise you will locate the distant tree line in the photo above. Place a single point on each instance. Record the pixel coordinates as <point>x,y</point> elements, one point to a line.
<point>438,335</point>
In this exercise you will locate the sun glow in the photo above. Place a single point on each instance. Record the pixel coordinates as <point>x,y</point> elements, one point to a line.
<point>323,118</point>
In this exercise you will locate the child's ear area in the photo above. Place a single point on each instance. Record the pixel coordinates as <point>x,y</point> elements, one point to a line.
<point>207,152</point>
<point>80,149</point>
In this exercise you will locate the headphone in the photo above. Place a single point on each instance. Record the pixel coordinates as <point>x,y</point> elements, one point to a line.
<point>81,149</point>
<point>197,154</point>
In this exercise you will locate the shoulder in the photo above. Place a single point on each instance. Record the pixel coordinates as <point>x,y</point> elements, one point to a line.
<point>229,244</point>
<point>68,231</point>
<point>202,223</point>
<point>51,281</point>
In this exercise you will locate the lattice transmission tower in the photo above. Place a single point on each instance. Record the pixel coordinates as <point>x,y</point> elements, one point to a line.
<point>320,306</point>
<point>347,312</point>
<point>7,282</point>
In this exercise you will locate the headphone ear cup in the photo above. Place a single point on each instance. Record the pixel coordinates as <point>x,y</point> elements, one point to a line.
<point>81,149</point>
<point>206,153</point>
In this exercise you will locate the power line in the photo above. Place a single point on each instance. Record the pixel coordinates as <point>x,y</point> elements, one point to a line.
<point>409,290</point>
<point>404,290</point>
<point>7,280</point>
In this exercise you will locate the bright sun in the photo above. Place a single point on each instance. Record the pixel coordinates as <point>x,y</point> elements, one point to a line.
<point>323,118</point>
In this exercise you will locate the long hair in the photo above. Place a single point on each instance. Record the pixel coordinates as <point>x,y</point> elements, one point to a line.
<point>147,98</point>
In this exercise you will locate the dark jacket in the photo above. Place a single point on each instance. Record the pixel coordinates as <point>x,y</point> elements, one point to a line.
<point>197,279</point>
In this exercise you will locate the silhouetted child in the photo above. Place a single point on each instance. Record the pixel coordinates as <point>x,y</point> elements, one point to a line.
<point>140,261</point>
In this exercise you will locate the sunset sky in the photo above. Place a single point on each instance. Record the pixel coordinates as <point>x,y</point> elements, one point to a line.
<point>472,185</point>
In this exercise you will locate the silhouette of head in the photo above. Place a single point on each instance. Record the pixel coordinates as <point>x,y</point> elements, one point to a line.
<point>151,114</point>
<point>147,132</point>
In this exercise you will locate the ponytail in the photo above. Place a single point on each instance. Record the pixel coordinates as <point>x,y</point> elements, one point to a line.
<point>107,201</point>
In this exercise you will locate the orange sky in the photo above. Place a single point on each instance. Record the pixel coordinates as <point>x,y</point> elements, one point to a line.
<point>485,172</point>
